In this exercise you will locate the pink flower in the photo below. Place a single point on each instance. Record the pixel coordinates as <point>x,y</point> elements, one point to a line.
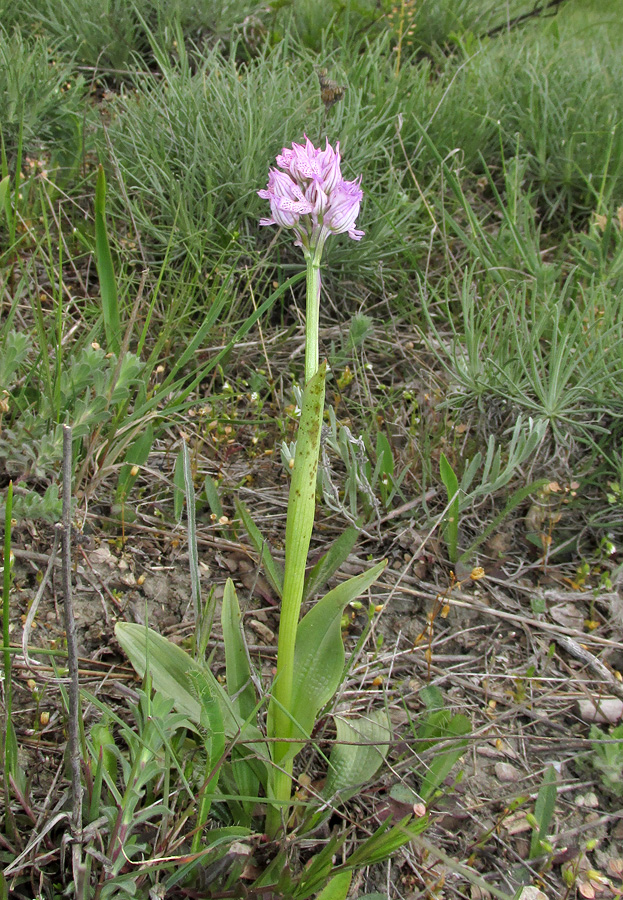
<point>344,209</point>
<point>311,197</point>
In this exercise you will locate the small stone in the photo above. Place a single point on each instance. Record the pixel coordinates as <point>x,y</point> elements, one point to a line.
<point>263,631</point>
<point>532,893</point>
<point>507,773</point>
<point>588,800</point>
<point>607,711</point>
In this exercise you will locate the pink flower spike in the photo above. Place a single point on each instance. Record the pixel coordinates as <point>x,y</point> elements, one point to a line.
<point>311,196</point>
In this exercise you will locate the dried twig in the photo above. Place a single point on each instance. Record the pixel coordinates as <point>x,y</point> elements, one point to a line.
<point>73,690</point>
<point>549,8</point>
<point>578,652</point>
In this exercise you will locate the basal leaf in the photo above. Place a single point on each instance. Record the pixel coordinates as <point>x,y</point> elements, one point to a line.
<point>169,668</point>
<point>239,684</point>
<point>330,562</point>
<point>360,747</point>
<point>319,652</point>
<point>443,761</point>
<point>210,715</point>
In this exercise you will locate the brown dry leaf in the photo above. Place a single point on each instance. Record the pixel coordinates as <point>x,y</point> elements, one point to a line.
<point>567,615</point>
<point>478,893</point>
<point>536,517</point>
<point>253,581</point>
<point>517,824</point>
<point>499,545</point>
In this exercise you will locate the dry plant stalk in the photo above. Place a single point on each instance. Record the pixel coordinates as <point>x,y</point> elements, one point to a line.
<point>73,689</point>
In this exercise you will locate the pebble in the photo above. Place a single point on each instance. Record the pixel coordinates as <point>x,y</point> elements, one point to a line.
<point>506,772</point>
<point>588,800</point>
<point>607,711</point>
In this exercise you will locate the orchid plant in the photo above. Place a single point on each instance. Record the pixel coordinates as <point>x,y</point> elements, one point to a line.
<point>309,196</point>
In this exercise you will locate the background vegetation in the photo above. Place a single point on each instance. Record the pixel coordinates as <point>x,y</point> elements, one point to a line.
<point>475,335</point>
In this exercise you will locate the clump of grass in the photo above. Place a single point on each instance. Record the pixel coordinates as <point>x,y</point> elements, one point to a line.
<point>192,149</point>
<point>42,100</point>
<point>114,37</point>
<point>510,96</point>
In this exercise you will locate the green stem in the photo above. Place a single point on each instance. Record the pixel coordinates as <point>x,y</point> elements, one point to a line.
<point>299,526</point>
<point>312,313</point>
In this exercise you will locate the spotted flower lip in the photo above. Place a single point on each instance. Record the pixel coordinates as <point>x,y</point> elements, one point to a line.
<point>311,197</point>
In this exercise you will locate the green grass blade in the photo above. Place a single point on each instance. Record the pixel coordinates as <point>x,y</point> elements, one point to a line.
<point>452,518</point>
<point>514,501</point>
<point>10,739</point>
<point>239,684</point>
<point>272,569</point>
<point>191,525</point>
<point>544,810</point>
<point>214,501</point>
<point>105,269</point>
<point>5,198</point>
<point>443,760</point>
<point>137,455</point>
<point>337,888</point>
<point>330,562</point>
<point>178,486</point>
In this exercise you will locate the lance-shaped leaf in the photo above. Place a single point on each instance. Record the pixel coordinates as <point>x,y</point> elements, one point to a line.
<point>169,668</point>
<point>444,759</point>
<point>239,684</point>
<point>330,562</point>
